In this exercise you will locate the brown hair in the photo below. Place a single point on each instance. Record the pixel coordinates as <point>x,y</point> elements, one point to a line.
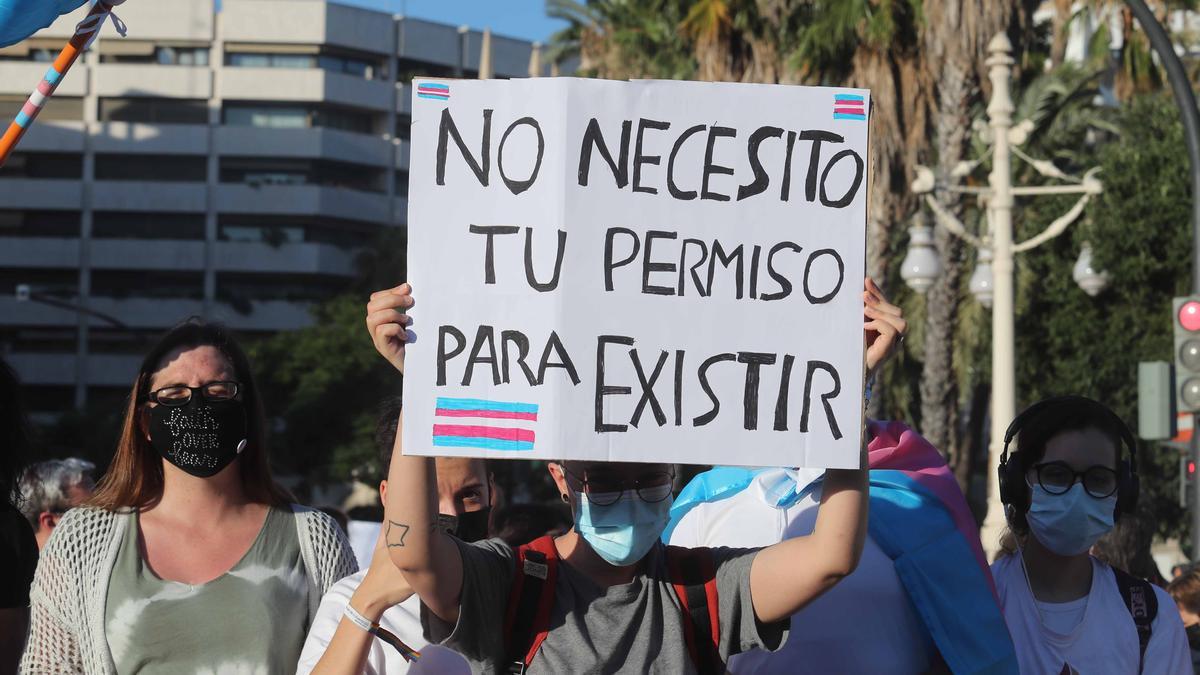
<point>1185,590</point>
<point>135,477</point>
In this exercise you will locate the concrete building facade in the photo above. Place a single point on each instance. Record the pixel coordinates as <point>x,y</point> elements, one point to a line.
<point>226,164</point>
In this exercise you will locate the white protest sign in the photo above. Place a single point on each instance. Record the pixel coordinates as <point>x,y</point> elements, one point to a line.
<point>636,271</point>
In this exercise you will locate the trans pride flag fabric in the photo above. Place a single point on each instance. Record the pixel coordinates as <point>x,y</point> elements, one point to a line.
<point>20,19</point>
<point>920,519</point>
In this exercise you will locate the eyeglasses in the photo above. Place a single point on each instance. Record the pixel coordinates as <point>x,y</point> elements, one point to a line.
<point>177,394</point>
<point>651,487</point>
<point>1057,477</point>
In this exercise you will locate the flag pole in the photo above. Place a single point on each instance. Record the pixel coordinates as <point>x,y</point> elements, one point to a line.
<point>85,31</point>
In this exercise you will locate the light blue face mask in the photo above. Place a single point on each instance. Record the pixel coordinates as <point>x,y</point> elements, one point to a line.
<point>1068,524</point>
<point>624,531</point>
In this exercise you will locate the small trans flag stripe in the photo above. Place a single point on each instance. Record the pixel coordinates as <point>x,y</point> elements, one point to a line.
<point>480,404</point>
<point>849,107</point>
<point>483,443</point>
<point>464,423</point>
<point>433,90</point>
<point>30,109</point>
<point>22,119</point>
<point>45,88</point>
<point>52,76</point>
<point>469,431</point>
<point>488,414</point>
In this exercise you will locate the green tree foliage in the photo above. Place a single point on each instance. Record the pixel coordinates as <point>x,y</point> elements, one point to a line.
<point>322,385</point>
<point>1139,230</point>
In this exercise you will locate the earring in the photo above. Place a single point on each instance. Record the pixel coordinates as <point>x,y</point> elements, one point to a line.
<point>565,498</point>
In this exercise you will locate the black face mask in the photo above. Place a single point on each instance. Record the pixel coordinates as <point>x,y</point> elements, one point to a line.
<point>1193,635</point>
<point>470,526</point>
<point>201,437</point>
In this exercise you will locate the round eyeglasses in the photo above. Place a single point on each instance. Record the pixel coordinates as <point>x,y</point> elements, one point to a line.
<point>178,394</point>
<point>1058,477</point>
<point>603,491</point>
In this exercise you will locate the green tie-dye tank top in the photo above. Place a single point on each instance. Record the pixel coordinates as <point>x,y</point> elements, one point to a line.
<point>249,621</point>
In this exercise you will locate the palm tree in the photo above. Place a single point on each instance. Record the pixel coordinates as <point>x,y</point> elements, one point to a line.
<point>922,61</point>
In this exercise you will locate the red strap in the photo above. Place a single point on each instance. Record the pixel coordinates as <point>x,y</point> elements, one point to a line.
<point>540,568</point>
<point>693,573</point>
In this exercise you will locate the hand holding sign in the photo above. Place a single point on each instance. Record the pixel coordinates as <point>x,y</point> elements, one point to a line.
<point>884,328</point>
<point>387,323</point>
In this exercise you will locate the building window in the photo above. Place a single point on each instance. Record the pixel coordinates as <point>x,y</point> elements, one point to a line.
<point>153,110</point>
<point>59,283</point>
<point>407,69</point>
<point>181,56</point>
<point>121,284</point>
<point>161,55</point>
<point>330,62</point>
<point>250,233</point>
<point>268,117</point>
<point>53,224</point>
<point>43,165</point>
<point>280,230</point>
<point>57,109</point>
<point>297,117</point>
<point>238,288</point>
<point>136,225</point>
<point>263,171</point>
<point>166,168</point>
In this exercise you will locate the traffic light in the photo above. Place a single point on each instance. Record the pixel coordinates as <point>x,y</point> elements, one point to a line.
<point>1187,353</point>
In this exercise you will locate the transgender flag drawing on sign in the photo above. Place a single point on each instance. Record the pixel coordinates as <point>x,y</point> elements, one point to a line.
<point>849,107</point>
<point>434,90</point>
<point>490,425</point>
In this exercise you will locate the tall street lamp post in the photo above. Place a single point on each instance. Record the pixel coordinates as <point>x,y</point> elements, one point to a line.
<point>996,248</point>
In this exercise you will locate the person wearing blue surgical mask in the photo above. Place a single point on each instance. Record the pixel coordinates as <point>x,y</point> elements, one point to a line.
<point>607,596</point>
<point>1072,473</point>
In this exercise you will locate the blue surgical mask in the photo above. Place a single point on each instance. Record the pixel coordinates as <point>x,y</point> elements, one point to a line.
<point>624,531</point>
<point>1068,524</point>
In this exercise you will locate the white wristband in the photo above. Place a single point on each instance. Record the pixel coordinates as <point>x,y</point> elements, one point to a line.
<point>358,619</point>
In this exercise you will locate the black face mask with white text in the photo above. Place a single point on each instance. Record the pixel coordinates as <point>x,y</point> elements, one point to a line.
<point>201,437</point>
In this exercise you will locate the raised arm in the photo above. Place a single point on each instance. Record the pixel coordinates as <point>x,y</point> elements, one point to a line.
<point>789,575</point>
<point>429,560</point>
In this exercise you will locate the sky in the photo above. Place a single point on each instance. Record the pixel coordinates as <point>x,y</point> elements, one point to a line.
<point>524,19</point>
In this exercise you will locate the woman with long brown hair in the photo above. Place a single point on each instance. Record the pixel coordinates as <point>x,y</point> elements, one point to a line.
<point>189,557</point>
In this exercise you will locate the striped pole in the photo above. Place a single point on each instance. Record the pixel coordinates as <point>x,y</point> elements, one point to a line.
<point>84,32</point>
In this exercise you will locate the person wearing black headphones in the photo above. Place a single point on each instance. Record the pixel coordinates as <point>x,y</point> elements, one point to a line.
<point>1063,487</point>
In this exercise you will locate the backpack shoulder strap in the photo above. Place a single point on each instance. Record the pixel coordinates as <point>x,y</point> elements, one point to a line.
<point>1142,604</point>
<point>530,601</point>
<point>693,575</point>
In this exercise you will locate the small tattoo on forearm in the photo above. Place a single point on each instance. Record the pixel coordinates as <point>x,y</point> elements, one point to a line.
<point>396,533</point>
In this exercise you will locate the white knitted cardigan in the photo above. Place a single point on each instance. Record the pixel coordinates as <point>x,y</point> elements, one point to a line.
<point>70,588</point>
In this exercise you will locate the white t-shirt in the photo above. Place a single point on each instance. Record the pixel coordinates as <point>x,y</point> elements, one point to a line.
<point>865,624</point>
<point>404,620</point>
<point>363,534</point>
<point>1101,638</point>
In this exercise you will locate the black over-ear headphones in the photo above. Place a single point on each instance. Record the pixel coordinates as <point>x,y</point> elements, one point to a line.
<point>1014,491</point>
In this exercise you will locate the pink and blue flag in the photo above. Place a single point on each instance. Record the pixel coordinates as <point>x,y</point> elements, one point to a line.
<point>433,90</point>
<point>477,423</point>
<point>849,107</point>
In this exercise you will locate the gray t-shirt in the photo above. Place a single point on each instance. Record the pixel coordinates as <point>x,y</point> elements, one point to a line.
<point>252,619</point>
<point>630,628</point>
